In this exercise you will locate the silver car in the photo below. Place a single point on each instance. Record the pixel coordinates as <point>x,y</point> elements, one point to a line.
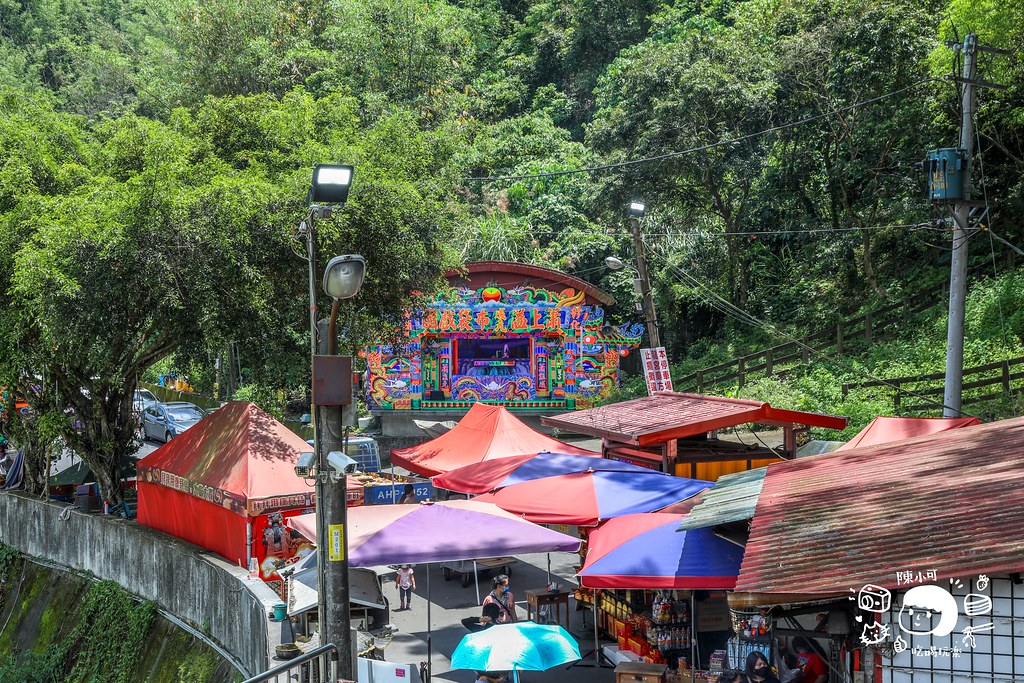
<point>164,421</point>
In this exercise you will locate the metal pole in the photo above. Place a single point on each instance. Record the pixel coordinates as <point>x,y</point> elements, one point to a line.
<point>650,319</point>
<point>321,535</point>
<point>338,624</point>
<point>958,268</point>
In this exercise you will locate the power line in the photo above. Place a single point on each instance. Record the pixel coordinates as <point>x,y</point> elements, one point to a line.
<point>703,148</point>
<point>734,311</point>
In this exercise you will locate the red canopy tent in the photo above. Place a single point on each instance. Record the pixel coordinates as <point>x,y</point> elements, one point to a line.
<point>885,429</point>
<point>485,433</point>
<point>222,485</point>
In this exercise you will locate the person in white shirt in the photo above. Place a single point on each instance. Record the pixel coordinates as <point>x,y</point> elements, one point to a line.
<point>405,581</point>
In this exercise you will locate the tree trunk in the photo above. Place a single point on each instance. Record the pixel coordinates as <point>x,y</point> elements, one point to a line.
<point>869,266</point>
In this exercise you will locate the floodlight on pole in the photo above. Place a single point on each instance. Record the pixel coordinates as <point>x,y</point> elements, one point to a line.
<point>331,183</point>
<point>636,209</point>
<point>342,279</point>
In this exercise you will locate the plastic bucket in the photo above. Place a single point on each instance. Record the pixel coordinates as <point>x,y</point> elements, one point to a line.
<point>280,613</point>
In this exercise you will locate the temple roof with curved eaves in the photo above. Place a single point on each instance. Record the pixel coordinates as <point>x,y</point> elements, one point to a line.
<point>510,273</point>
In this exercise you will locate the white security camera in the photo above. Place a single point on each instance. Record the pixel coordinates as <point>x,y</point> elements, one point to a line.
<point>305,464</point>
<point>341,463</point>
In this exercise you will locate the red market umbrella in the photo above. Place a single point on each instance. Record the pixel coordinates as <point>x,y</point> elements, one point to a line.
<point>587,498</point>
<point>648,551</point>
<point>488,475</point>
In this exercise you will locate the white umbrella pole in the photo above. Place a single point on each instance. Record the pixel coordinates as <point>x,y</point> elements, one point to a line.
<point>476,580</point>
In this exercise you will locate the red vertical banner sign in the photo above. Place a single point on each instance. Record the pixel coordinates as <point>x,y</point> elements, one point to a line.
<point>656,371</point>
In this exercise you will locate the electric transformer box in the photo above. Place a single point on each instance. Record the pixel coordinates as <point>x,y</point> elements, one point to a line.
<point>946,169</point>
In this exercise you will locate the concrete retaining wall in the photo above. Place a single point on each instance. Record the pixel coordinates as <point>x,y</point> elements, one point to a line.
<point>200,588</point>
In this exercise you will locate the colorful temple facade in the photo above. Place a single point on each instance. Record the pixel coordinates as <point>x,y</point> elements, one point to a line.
<point>513,334</point>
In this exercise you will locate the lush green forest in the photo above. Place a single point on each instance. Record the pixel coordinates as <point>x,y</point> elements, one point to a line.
<point>154,159</point>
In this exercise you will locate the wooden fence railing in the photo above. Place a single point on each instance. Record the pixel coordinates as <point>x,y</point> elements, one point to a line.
<point>876,325</point>
<point>1006,374</point>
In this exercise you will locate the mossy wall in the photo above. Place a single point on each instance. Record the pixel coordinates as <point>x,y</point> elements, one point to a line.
<point>59,626</point>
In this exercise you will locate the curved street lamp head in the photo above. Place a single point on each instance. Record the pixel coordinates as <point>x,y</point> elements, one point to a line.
<point>344,276</point>
<point>331,183</point>
<point>612,263</point>
<point>636,209</point>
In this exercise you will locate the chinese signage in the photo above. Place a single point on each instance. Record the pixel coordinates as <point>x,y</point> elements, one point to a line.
<point>656,370</point>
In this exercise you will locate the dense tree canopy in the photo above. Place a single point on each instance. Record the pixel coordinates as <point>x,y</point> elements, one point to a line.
<point>154,157</point>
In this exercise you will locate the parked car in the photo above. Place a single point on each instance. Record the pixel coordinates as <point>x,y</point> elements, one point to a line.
<point>164,421</point>
<point>144,398</point>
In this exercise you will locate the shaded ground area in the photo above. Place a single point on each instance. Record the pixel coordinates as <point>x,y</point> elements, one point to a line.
<point>450,603</point>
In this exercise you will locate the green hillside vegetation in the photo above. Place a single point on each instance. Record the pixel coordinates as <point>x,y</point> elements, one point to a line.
<point>64,627</point>
<point>154,158</point>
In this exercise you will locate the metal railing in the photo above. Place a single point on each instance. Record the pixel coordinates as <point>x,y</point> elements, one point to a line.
<point>314,666</point>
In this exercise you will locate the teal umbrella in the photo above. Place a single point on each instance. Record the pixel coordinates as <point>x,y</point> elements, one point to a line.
<point>513,647</point>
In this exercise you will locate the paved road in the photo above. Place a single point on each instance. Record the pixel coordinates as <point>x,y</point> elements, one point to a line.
<point>450,603</point>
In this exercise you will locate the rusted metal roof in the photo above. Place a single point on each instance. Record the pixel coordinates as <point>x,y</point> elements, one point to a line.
<point>669,415</point>
<point>733,499</point>
<point>951,502</point>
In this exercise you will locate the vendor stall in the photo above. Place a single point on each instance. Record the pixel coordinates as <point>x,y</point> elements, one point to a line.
<point>662,597</point>
<point>228,484</point>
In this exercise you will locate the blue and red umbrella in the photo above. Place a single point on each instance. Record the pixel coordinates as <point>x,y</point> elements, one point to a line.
<point>488,475</point>
<point>587,498</point>
<point>647,551</point>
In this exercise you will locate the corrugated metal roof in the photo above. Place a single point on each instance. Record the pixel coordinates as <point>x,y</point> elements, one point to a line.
<point>733,499</point>
<point>669,415</point>
<point>952,502</point>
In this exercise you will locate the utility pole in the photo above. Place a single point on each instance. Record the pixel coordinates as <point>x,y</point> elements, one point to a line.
<point>650,319</point>
<point>953,393</point>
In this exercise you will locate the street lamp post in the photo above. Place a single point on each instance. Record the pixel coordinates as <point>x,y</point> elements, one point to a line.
<point>342,279</point>
<point>636,212</point>
<point>642,282</point>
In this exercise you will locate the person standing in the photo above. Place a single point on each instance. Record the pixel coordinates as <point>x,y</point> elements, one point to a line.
<point>405,580</point>
<point>408,495</point>
<point>502,596</point>
<point>758,669</point>
<point>814,667</point>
